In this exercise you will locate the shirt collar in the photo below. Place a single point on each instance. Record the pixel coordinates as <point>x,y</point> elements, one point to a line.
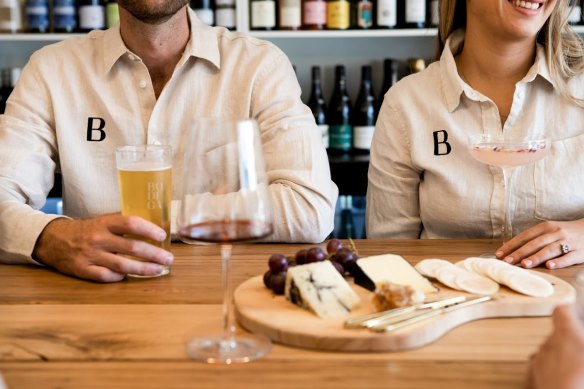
<point>203,43</point>
<point>453,85</point>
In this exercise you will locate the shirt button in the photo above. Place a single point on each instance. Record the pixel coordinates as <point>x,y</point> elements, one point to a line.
<point>132,57</point>
<point>143,84</point>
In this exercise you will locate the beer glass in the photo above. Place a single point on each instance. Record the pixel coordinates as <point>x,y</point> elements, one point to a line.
<point>145,182</point>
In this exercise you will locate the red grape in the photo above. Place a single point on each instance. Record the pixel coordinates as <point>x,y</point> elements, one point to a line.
<point>333,245</point>
<point>278,282</point>
<point>267,278</point>
<point>346,258</point>
<point>301,257</point>
<point>315,254</point>
<point>278,263</point>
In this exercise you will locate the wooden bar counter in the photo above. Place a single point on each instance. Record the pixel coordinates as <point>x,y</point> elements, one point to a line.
<point>61,332</point>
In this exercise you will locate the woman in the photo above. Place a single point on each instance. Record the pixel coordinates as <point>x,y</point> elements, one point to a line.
<point>506,67</point>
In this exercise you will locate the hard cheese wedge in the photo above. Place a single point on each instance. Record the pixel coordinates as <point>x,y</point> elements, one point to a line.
<point>319,287</point>
<point>371,271</point>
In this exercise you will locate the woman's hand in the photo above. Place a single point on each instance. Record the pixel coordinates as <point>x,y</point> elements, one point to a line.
<point>559,363</point>
<point>555,244</point>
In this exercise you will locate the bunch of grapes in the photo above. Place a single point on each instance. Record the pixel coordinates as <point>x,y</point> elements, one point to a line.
<point>343,259</point>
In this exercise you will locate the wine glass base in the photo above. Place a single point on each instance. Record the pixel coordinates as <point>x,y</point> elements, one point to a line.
<point>240,349</point>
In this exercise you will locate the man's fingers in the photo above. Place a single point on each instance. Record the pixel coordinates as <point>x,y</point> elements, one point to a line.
<point>134,225</point>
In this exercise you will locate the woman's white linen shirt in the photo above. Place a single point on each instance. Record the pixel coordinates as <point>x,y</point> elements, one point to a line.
<point>423,182</point>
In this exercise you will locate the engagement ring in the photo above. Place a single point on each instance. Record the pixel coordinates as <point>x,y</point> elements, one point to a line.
<point>565,248</point>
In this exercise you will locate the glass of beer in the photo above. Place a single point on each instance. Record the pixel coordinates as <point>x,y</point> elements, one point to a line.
<point>145,182</point>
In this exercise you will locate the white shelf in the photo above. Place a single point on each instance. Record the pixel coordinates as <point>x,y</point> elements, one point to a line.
<point>301,34</point>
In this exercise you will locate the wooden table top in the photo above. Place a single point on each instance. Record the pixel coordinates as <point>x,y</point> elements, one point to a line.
<point>61,332</point>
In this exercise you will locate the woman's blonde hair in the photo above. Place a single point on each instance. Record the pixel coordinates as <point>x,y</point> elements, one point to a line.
<point>564,49</point>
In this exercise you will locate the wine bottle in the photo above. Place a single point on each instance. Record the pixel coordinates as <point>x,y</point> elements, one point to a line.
<point>386,14</point>
<point>416,65</point>
<point>112,13</point>
<point>339,115</point>
<point>575,12</point>
<point>263,15</point>
<point>225,14</point>
<point>364,114</point>
<point>64,16</point>
<point>317,105</point>
<point>390,78</point>
<point>347,227</point>
<point>289,15</point>
<point>413,14</point>
<point>313,14</point>
<point>10,16</point>
<point>37,15</point>
<point>362,14</point>
<point>433,18</point>
<point>9,77</point>
<point>204,11</point>
<point>91,15</point>
<point>338,14</point>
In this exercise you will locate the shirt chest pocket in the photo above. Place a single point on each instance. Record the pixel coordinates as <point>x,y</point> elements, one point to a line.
<point>559,181</point>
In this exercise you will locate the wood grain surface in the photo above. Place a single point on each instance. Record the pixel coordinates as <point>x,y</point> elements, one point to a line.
<point>61,332</point>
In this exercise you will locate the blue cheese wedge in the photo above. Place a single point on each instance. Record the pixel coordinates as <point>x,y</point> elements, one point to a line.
<point>389,268</point>
<point>320,288</point>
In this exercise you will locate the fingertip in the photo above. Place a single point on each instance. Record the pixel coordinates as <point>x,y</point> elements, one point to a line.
<point>551,264</point>
<point>527,263</point>
<point>499,254</point>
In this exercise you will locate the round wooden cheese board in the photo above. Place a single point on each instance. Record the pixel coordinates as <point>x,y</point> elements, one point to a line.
<point>258,310</point>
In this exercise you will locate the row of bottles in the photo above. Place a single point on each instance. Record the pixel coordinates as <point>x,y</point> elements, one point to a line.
<point>350,218</point>
<point>342,14</point>
<point>216,12</point>
<point>348,128</point>
<point>61,16</point>
<point>8,78</point>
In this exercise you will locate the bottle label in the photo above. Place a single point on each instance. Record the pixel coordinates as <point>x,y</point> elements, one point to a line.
<point>338,15</point>
<point>263,14</point>
<point>324,132</point>
<point>340,137</point>
<point>362,136</point>
<point>315,13</point>
<point>225,17</point>
<point>225,3</point>
<point>575,15</point>
<point>206,16</point>
<point>113,14</point>
<point>64,16</point>
<point>416,11</point>
<point>386,13</point>
<point>91,17</point>
<point>290,15</point>
<point>10,20</point>
<point>434,13</point>
<point>365,14</point>
<point>37,15</point>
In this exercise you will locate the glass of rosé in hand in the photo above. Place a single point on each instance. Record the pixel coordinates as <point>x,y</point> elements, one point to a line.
<point>507,153</point>
<point>225,200</point>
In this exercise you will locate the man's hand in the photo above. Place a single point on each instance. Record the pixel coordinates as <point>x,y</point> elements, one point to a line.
<point>559,363</point>
<point>543,243</point>
<point>96,249</point>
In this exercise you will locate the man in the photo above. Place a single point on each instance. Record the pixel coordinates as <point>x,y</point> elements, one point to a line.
<point>144,81</point>
<point>559,362</point>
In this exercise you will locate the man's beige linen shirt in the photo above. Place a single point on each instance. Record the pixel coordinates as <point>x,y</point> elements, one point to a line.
<point>423,181</point>
<point>79,99</point>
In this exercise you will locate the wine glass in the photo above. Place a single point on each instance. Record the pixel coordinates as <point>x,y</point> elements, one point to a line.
<point>225,200</point>
<point>507,153</point>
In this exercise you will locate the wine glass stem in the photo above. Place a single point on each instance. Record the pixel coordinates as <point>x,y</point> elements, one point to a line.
<point>506,229</point>
<point>228,327</point>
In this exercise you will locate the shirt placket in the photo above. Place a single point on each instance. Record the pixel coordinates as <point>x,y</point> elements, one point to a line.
<point>145,92</point>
